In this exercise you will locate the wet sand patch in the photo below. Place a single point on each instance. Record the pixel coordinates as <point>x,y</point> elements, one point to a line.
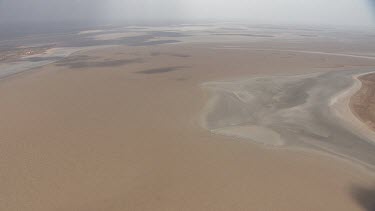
<point>365,197</point>
<point>161,70</point>
<point>245,35</point>
<point>180,55</point>
<point>81,61</point>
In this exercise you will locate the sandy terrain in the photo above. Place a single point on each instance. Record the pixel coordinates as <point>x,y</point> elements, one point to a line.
<point>291,111</point>
<point>120,129</point>
<point>363,102</point>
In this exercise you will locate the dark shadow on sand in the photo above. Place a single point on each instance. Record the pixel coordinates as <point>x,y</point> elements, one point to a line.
<point>42,59</point>
<point>182,79</point>
<point>180,55</point>
<point>232,29</point>
<point>365,197</point>
<point>150,43</point>
<point>244,35</point>
<point>161,70</point>
<point>87,62</point>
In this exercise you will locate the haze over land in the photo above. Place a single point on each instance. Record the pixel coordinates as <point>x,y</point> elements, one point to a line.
<point>187,105</point>
<point>331,12</point>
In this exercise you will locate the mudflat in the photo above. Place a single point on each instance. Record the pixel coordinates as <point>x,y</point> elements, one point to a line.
<point>120,128</point>
<point>291,111</point>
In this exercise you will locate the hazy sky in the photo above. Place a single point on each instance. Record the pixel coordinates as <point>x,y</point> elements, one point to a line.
<point>341,12</point>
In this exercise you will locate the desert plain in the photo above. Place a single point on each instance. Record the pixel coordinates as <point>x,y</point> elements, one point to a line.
<point>189,117</point>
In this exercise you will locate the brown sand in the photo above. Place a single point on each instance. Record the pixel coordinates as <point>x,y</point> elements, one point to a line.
<point>363,102</point>
<point>110,137</point>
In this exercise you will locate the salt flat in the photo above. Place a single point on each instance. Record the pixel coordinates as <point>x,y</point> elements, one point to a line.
<point>298,110</point>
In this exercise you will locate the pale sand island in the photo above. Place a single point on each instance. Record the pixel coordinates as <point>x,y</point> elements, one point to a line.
<point>191,118</point>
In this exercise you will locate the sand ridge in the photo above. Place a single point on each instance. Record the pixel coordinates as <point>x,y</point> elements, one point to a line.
<point>361,102</point>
